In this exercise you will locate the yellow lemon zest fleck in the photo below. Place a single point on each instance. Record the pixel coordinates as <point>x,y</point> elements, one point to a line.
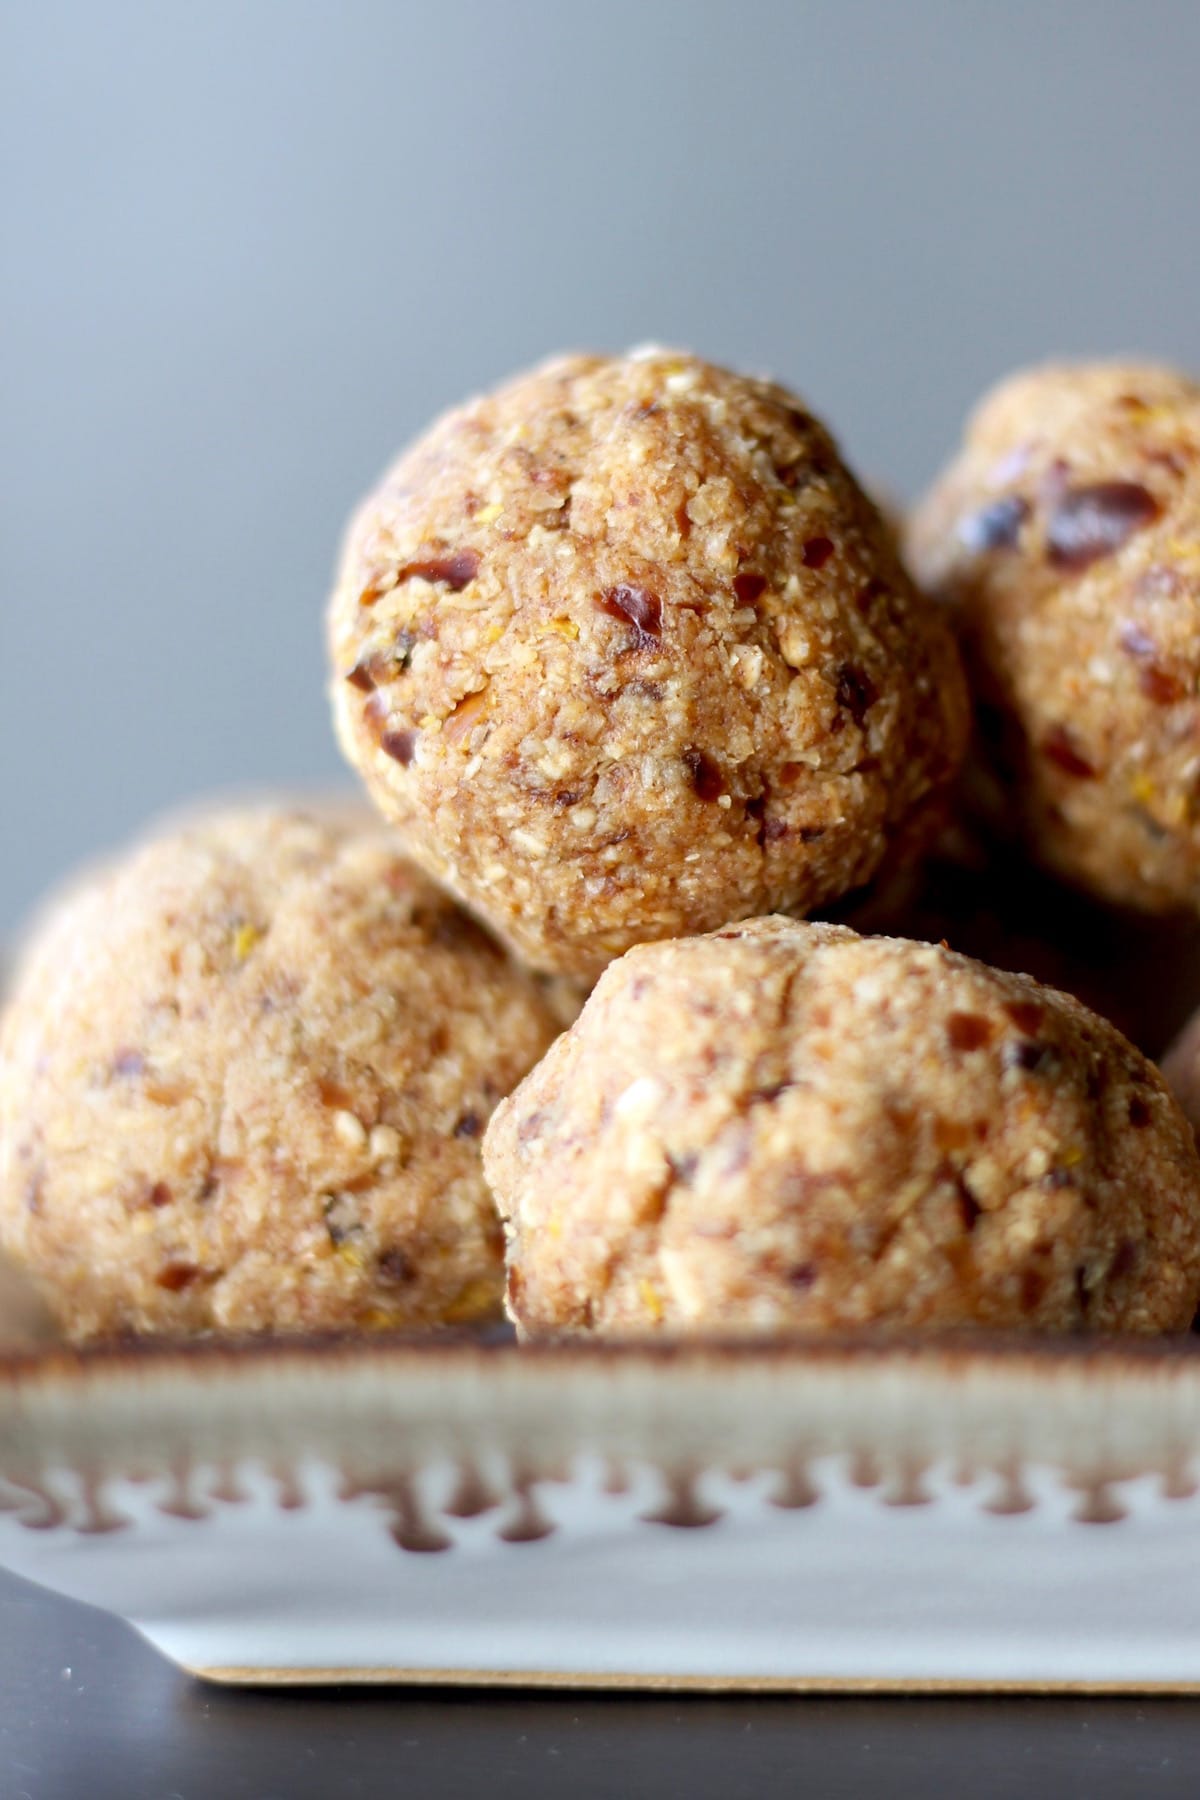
<point>378,1318</point>
<point>244,940</point>
<point>487,515</point>
<point>566,628</point>
<point>1142,789</point>
<point>476,1298</point>
<point>649,1296</point>
<point>1071,1156</point>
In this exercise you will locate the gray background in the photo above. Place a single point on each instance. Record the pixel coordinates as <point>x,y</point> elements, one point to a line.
<point>250,247</point>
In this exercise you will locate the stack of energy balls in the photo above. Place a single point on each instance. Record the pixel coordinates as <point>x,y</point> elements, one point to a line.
<point>639,682</point>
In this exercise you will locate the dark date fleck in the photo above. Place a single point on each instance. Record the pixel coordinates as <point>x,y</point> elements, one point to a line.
<point>129,1062</point>
<point>706,777</point>
<point>401,746</point>
<point>175,1276</point>
<point>376,667</point>
<point>749,587</point>
<point>160,1194</point>
<point>1059,748</point>
<point>1125,1261</point>
<point>1033,1289</point>
<point>1156,682</point>
<point>968,1206</point>
<point>637,606</point>
<point>816,552</point>
<point>1026,1015</point>
<point>1093,521</point>
<point>469,1126</point>
<point>773,830</point>
<point>802,1276</point>
<point>395,1268</point>
<point>1139,1113</point>
<point>969,1031</point>
<point>855,692</point>
<point>995,527</point>
<point>1082,1292</point>
<point>809,834</point>
<point>1029,1055</point>
<point>455,570</point>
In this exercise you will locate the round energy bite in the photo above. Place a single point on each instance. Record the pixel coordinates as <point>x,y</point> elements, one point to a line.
<point>788,1126</point>
<point>628,652</point>
<point>244,1075</point>
<point>1067,534</point>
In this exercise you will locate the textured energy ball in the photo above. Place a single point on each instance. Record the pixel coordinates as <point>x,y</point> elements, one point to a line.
<point>628,653</point>
<point>785,1125</point>
<point>1067,535</point>
<point>244,1076</point>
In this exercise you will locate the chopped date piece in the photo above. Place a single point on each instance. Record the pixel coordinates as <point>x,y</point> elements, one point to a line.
<point>1093,521</point>
<point>968,1205</point>
<point>707,779</point>
<point>817,552</point>
<point>855,693</point>
<point>175,1276</point>
<point>1058,748</point>
<point>376,667</point>
<point>455,570</point>
<point>1158,684</point>
<point>1125,1261</point>
<point>969,1031</point>
<point>1028,1055</point>
<point>401,746</point>
<point>395,1268</point>
<point>637,606</point>
<point>749,587</point>
<point>995,527</point>
<point>1026,1015</point>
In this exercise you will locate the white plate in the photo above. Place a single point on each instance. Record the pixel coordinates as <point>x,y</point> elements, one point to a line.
<point>958,1514</point>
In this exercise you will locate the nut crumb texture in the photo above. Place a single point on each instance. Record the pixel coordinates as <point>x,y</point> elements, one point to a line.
<point>628,654</point>
<point>1065,539</point>
<point>236,1073</point>
<point>785,1126</point>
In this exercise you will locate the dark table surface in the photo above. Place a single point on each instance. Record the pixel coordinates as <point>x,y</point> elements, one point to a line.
<point>89,1712</point>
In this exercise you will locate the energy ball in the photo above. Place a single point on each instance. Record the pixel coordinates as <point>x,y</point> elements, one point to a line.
<point>628,653</point>
<point>788,1126</point>
<point>244,1076</point>
<point>1067,535</point>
